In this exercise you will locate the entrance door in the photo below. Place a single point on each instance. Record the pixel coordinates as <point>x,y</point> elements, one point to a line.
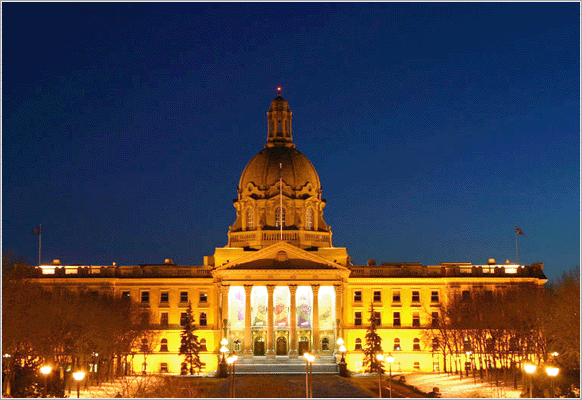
<point>281,346</point>
<point>303,345</point>
<point>259,347</point>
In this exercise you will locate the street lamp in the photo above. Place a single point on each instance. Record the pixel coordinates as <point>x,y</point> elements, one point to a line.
<point>231,360</point>
<point>552,373</point>
<point>309,358</point>
<point>390,360</point>
<point>46,370</point>
<point>530,369</point>
<point>79,376</point>
<point>380,358</point>
<point>223,368</point>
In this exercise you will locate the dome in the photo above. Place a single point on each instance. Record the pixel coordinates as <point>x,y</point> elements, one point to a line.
<point>296,170</point>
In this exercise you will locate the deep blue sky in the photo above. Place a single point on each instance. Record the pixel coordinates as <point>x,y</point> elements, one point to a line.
<point>435,127</point>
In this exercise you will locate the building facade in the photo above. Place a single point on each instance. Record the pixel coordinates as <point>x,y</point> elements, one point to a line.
<point>280,288</point>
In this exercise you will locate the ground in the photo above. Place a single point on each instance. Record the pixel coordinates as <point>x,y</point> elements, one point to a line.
<point>293,386</point>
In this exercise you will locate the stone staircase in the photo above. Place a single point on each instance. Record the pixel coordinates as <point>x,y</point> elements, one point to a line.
<point>285,365</point>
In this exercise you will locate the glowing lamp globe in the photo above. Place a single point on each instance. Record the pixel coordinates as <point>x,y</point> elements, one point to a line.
<point>310,358</point>
<point>552,371</point>
<point>46,370</point>
<point>529,368</point>
<point>390,359</point>
<point>224,342</point>
<point>79,375</point>
<point>342,349</point>
<point>340,342</point>
<point>380,357</point>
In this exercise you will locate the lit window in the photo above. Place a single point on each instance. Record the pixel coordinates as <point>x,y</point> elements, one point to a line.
<point>397,344</point>
<point>250,219</point>
<point>279,217</point>
<point>416,344</point>
<point>358,344</point>
<point>416,320</point>
<point>377,296</point>
<point>203,321</point>
<point>164,368</point>
<point>358,318</point>
<point>203,345</point>
<point>396,296</point>
<point>126,295</point>
<point>357,296</point>
<point>203,297</point>
<point>417,365</point>
<point>309,219</point>
<point>164,345</point>
<point>415,296</point>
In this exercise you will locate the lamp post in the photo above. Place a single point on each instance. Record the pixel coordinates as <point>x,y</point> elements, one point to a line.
<point>530,369</point>
<point>309,358</point>
<point>223,367</point>
<point>79,376</point>
<point>6,385</point>
<point>552,373</point>
<point>380,358</point>
<point>390,360</point>
<point>46,370</point>
<point>343,367</point>
<point>231,360</point>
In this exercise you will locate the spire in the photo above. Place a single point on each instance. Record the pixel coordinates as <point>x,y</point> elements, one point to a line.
<point>279,119</point>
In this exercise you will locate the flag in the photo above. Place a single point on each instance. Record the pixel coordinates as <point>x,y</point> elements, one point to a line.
<point>518,231</point>
<point>36,230</point>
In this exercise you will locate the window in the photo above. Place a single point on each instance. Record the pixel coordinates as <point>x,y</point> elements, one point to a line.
<point>358,344</point>
<point>183,318</point>
<point>203,297</point>
<point>183,297</point>
<point>396,296</point>
<point>164,319</point>
<point>435,344</point>
<point>377,296</point>
<point>164,368</point>
<point>489,295</point>
<point>145,297</point>
<point>397,344</point>
<point>144,345</point>
<point>203,345</point>
<point>434,296</point>
<point>416,344</point>
<point>164,297</point>
<point>164,345</point>
<point>357,296</point>
<point>309,219</point>
<point>415,296</point>
<point>203,321</point>
<point>126,295</point>
<point>279,217</point>
<point>490,345</point>
<point>417,365</point>
<point>358,318</point>
<point>416,319</point>
<point>435,319</point>
<point>325,344</point>
<point>466,295</point>
<point>250,219</point>
<point>378,318</point>
<point>467,345</point>
<point>237,345</point>
<point>396,319</point>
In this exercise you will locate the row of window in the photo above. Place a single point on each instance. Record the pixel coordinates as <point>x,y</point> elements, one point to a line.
<point>377,296</point>
<point>397,347</point>
<point>165,297</point>
<point>164,345</point>
<point>280,218</point>
<point>396,320</point>
<point>202,319</point>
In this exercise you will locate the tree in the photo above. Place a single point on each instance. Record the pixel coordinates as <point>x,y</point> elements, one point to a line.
<point>189,344</point>
<point>373,345</point>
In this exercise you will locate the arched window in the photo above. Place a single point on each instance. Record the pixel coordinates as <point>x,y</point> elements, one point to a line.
<point>203,345</point>
<point>309,219</point>
<point>416,344</point>
<point>358,344</point>
<point>279,130</point>
<point>397,344</point>
<point>164,345</point>
<point>250,219</point>
<point>279,217</point>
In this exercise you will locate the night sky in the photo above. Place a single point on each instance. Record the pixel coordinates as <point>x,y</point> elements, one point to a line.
<point>435,127</point>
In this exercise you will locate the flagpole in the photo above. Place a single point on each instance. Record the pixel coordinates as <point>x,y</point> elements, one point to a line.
<point>516,258</point>
<point>39,242</point>
<point>280,201</point>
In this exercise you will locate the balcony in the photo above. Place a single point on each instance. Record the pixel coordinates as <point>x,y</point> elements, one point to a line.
<point>299,238</point>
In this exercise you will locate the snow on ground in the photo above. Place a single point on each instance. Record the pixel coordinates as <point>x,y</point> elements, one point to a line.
<point>452,387</point>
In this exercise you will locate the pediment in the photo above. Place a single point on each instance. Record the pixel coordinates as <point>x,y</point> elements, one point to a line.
<point>281,256</point>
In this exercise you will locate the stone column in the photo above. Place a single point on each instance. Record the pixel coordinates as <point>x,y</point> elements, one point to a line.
<point>270,353</point>
<point>224,315</point>
<point>248,336</point>
<point>293,321</point>
<point>339,290</point>
<point>316,344</point>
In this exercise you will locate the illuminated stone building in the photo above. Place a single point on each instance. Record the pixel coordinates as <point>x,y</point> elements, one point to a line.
<point>280,288</point>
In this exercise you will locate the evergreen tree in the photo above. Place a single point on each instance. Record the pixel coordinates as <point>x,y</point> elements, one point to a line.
<point>373,345</point>
<point>189,344</point>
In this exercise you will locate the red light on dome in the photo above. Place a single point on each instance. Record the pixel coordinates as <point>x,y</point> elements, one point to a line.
<point>278,88</point>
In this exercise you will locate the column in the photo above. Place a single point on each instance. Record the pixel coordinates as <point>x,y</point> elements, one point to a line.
<point>293,321</point>
<point>339,290</point>
<point>248,335</point>
<point>270,322</point>
<point>316,344</point>
<point>224,315</point>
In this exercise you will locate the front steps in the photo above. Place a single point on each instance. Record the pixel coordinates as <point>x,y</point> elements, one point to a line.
<point>285,365</point>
